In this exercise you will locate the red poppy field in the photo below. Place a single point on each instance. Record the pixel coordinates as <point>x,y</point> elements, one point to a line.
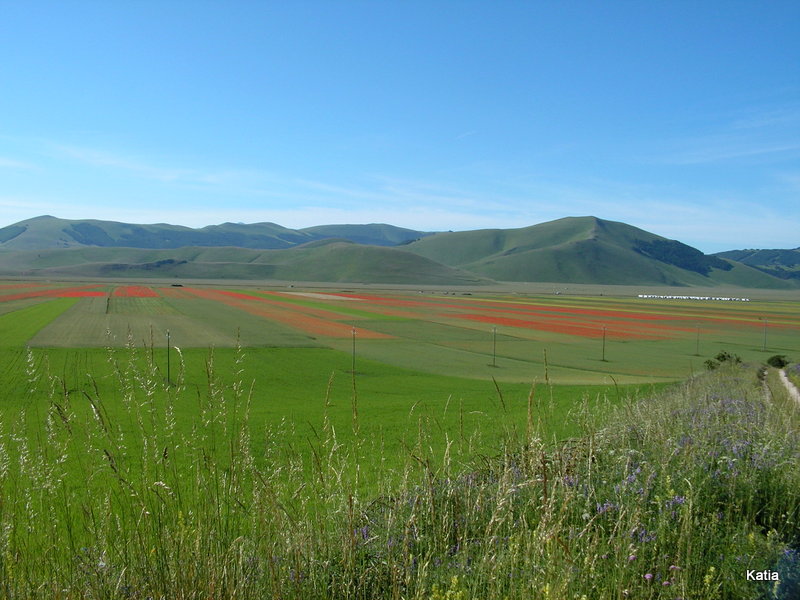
<point>508,337</point>
<point>134,291</point>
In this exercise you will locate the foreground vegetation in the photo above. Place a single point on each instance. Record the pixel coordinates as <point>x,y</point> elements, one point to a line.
<point>678,495</point>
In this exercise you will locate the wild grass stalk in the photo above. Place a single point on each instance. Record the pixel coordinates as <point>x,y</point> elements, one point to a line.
<point>676,496</point>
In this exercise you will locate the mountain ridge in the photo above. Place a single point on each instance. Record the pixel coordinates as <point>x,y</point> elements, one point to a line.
<point>784,264</point>
<point>47,231</point>
<point>568,250</point>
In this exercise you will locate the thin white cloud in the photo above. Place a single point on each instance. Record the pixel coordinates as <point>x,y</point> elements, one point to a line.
<point>716,226</point>
<point>769,118</point>
<point>18,208</point>
<point>751,134</point>
<point>729,148</point>
<point>708,219</point>
<point>395,192</point>
<point>100,158</point>
<point>9,163</point>
<point>148,170</point>
<point>791,180</point>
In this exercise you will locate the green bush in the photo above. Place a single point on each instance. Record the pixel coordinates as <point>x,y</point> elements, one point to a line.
<point>722,357</point>
<point>778,361</point>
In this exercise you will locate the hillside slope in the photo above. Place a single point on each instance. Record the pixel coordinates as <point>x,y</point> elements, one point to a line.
<point>50,232</point>
<point>571,250</point>
<point>586,250</point>
<point>376,234</point>
<point>784,264</point>
<point>326,260</point>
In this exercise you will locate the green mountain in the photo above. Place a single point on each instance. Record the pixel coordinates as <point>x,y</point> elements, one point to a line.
<point>325,260</point>
<point>569,250</point>
<point>784,264</point>
<point>375,234</point>
<point>586,250</point>
<point>51,232</point>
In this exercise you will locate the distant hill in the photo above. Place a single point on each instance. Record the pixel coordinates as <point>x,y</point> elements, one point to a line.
<point>51,232</point>
<point>569,250</point>
<point>784,264</point>
<point>586,250</point>
<point>325,260</point>
<point>376,234</point>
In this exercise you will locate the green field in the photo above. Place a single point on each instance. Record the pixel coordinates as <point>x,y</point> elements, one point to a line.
<point>478,368</point>
<point>20,325</point>
<point>582,340</point>
<point>270,452</point>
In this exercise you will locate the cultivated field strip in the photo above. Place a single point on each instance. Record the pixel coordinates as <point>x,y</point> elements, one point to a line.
<point>133,305</point>
<point>19,326</point>
<point>509,338</point>
<point>311,321</point>
<point>89,324</point>
<point>52,292</point>
<point>11,306</point>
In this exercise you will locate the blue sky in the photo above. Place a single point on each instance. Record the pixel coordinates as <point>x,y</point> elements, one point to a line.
<point>682,118</point>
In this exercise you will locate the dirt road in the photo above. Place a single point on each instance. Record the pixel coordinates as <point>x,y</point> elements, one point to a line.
<point>790,387</point>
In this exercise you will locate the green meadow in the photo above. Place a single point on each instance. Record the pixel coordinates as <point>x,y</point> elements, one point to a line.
<point>301,389</point>
<point>451,460</point>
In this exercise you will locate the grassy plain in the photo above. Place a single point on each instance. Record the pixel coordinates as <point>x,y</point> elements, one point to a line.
<point>126,496</point>
<point>463,457</point>
<point>513,338</point>
<point>18,326</point>
<point>470,366</point>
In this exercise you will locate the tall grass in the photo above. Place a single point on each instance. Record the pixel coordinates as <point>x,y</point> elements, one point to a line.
<point>676,496</point>
<point>793,374</point>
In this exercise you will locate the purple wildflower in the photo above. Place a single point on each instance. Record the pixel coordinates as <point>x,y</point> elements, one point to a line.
<point>605,507</point>
<point>643,535</point>
<point>675,501</point>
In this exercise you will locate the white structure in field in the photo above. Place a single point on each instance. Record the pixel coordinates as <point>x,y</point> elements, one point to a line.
<point>660,297</point>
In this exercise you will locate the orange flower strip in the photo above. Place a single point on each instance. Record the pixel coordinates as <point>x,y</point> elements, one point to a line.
<point>277,311</point>
<point>134,291</point>
<point>70,292</point>
<point>570,328</point>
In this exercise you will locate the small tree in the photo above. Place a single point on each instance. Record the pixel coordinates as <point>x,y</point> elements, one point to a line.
<point>728,357</point>
<point>778,361</point>
<point>722,357</point>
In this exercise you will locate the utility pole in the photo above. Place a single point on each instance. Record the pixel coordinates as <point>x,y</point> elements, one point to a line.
<point>354,351</point>
<point>494,346</point>
<point>697,341</point>
<point>168,344</point>
<point>604,344</point>
<point>764,347</point>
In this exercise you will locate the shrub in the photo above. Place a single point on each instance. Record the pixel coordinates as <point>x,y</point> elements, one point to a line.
<point>778,361</point>
<point>728,357</point>
<point>722,357</point>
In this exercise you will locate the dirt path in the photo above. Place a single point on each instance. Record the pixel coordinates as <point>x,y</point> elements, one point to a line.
<point>790,387</point>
